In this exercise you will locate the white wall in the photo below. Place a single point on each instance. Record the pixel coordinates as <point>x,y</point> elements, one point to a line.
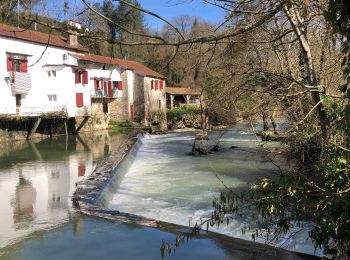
<point>37,101</point>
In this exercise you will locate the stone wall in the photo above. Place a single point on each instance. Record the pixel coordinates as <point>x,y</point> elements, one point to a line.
<point>119,108</point>
<point>94,123</point>
<point>139,99</point>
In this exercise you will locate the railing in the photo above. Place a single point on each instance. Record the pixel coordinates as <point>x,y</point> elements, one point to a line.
<point>37,111</point>
<point>21,82</point>
<point>99,93</point>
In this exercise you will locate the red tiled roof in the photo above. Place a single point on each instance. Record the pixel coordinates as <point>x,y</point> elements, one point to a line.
<point>37,37</point>
<point>182,91</point>
<point>124,63</point>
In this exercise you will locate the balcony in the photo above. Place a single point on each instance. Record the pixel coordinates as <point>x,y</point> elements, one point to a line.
<point>100,93</point>
<point>21,82</point>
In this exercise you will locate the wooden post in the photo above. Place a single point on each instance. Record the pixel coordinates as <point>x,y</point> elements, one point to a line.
<point>187,99</point>
<point>86,118</point>
<point>35,127</point>
<point>171,102</point>
<point>65,127</point>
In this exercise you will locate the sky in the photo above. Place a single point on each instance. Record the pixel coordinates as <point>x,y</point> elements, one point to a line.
<point>172,8</point>
<point>165,8</point>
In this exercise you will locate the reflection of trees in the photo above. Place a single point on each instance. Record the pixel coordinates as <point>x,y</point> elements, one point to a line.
<point>24,201</point>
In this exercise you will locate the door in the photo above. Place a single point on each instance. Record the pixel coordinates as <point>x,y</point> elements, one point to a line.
<point>18,102</point>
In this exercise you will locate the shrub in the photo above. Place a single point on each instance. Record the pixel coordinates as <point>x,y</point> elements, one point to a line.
<point>180,111</point>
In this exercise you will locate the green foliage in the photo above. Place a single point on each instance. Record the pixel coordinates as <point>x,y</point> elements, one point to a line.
<point>125,123</point>
<point>124,16</point>
<point>177,112</point>
<point>320,194</point>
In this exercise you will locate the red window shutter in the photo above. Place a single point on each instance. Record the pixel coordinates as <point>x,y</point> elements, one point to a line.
<point>110,91</point>
<point>9,64</point>
<point>23,67</point>
<point>77,76</point>
<point>120,85</point>
<point>80,99</point>
<point>95,84</point>
<point>85,77</point>
<point>156,84</point>
<point>161,86</point>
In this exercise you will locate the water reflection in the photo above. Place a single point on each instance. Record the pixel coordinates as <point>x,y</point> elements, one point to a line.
<point>38,178</point>
<point>25,198</point>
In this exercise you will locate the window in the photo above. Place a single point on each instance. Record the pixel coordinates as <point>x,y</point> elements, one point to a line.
<point>52,97</point>
<point>110,89</point>
<point>77,76</point>
<point>105,88</point>
<point>18,65</point>
<point>160,105</point>
<point>152,84</point>
<point>79,99</point>
<point>85,77</point>
<point>96,84</point>
<point>81,76</point>
<point>51,73</point>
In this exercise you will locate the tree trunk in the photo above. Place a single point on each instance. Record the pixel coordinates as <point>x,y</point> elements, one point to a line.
<point>265,117</point>
<point>298,26</point>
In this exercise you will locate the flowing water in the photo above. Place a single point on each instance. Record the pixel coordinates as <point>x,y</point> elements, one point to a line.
<point>168,184</point>
<point>38,178</point>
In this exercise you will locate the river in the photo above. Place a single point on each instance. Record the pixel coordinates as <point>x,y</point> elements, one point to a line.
<point>37,180</point>
<point>168,184</point>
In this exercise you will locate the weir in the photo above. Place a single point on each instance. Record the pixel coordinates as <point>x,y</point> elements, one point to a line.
<point>101,194</point>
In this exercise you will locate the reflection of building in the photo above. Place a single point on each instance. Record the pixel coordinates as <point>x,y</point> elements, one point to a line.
<point>179,96</point>
<point>24,202</point>
<point>37,195</point>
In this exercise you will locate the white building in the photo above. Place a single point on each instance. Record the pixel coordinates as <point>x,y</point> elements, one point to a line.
<point>45,74</point>
<point>37,76</point>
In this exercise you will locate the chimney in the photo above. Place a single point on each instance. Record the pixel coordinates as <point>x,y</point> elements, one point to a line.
<point>72,39</point>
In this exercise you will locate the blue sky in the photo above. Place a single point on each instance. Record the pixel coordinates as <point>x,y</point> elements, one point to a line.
<point>172,8</point>
<point>166,8</point>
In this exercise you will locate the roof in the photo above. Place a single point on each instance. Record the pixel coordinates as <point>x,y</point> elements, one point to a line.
<point>37,37</point>
<point>124,63</point>
<point>182,91</point>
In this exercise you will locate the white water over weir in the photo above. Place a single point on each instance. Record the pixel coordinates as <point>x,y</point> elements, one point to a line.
<point>160,180</point>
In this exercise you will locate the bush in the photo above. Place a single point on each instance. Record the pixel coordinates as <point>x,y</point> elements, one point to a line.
<point>180,111</point>
<point>125,123</point>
